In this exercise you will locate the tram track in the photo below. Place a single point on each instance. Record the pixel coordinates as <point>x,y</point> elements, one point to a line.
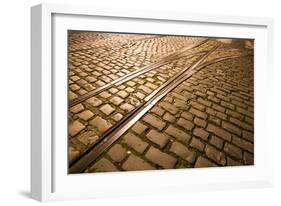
<point>114,133</point>
<point>131,75</point>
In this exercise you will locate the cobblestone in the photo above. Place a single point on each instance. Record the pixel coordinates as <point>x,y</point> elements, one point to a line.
<point>203,162</point>
<point>196,143</point>
<point>182,151</point>
<point>160,158</point>
<point>207,120</point>
<point>103,165</point>
<point>139,128</point>
<point>117,153</point>
<point>157,137</point>
<point>135,142</point>
<point>185,124</point>
<point>75,128</point>
<point>116,100</point>
<point>219,132</point>
<point>85,115</point>
<point>154,121</point>
<point>134,163</point>
<point>77,108</point>
<point>178,134</point>
<point>215,155</point>
<point>101,124</point>
<point>233,150</point>
<point>107,109</point>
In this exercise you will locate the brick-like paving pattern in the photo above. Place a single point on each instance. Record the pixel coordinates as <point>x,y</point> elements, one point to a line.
<point>205,121</point>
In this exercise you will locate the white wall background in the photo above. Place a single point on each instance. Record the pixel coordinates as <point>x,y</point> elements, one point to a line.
<point>15,95</point>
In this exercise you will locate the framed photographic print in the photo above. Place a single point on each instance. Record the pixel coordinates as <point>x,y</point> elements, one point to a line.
<point>137,102</point>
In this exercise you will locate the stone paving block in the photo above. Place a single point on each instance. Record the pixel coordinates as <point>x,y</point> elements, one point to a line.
<point>77,108</point>
<point>219,132</point>
<point>134,163</point>
<point>218,108</point>
<point>151,86</point>
<point>139,128</point>
<point>241,124</point>
<point>117,153</point>
<point>213,99</point>
<point>169,107</point>
<point>101,124</point>
<point>221,115</point>
<point>140,95</point>
<point>248,135</point>
<point>72,95</point>
<point>178,134</point>
<point>198,113</point>
<point>105,94</point>
<point>74,78</point>
<point>94,101</point>
<point>154,121</point>
<point>88,87</point>
<point>73,153</point>
<point>178,96</point>
<point>232,162</point>
<point>231,128</point>
<point>107,109</point>
<point>135,142</point>
<point>233,150</point>
<point>122,94</point>
<point>185,124</point>
<point>248,158</point>
<point>203,162</point>
<point>127,107</point>
<point>103,165</point>
<point>197,144</point>
<point>130,83</point>
<point>90,79</point>
<point>200,122</point>
<point>215,155</point>
<point>145,89</point>
<point>228,105</point>
<point>75,127</point>
<point>74,87</point>
<point>129,89</point>
<point>81,82</point>
<point>244,112</point>
<point>116,100</point>
<point>113,90</point>
<point>168,117</point>
<point>88,138</point>
<point>157,137</point>
<point>245,145</point>
<point>201,133</point>
<point>217,142</point>
<point>204,102</point>
<point>234,114</point>
<point>158,111</point>
<point>117,117</point>
<point>197,105</point>
<point>161,158</point>
<point>223,97</point>
<point>85,115</point>
<point>187,115</point>
<point>82,92</point>
<point>183,152</point>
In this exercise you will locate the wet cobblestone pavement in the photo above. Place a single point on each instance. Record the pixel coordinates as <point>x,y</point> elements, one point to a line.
<point>206,120</point>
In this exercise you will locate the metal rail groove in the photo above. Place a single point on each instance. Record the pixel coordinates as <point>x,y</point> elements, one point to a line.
<point>136,73</point>
<point>121,127</point>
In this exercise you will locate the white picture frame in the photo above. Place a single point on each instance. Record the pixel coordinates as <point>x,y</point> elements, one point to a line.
<point>49,179</point>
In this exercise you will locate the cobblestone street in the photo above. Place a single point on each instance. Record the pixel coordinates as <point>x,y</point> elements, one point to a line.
<point>142,102</point>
